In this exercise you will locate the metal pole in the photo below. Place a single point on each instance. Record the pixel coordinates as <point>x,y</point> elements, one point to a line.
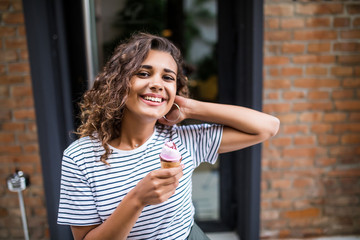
<point>23,215</point>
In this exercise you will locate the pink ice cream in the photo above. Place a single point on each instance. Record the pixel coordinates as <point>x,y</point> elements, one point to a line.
<point>170,156</point>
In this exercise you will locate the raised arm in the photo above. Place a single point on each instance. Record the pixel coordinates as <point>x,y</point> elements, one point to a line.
<point>243,127</point>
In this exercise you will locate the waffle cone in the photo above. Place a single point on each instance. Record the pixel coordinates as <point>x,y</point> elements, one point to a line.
<point>168,164</point>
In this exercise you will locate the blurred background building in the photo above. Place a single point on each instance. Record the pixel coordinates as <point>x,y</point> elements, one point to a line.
<point>297,60</point>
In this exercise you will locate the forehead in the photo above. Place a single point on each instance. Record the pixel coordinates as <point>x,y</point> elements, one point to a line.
<point>161,60</point>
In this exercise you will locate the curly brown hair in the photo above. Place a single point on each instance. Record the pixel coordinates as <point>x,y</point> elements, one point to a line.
<point>102,106</point>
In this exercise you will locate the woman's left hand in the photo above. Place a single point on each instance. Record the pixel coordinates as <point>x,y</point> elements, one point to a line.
<point>175,115</point>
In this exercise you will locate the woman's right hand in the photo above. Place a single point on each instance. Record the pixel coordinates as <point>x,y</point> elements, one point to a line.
<point>158,185</point>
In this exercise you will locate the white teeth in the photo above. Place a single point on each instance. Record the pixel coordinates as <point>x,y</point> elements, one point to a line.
<point>153,99</point>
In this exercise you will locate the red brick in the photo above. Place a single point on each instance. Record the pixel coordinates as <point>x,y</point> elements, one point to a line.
<point>350,34</point>
<point>8,56</point>
<point>343,94</point>
<point>316,70</point>
<point>280,183</point>
<point>341,22</point>
<point>27,137</point>
<point>18,43</point>
<point>277,36</point>
<point>315,8</point>
<point>335,117</point>
<point>272,23</point>
<point>347,46</point>
<point>354,116</point>
<point>342,201</point>
<point>315,106</point>
<point>348,105</point>
<point>18,91</point>
<point>350,139</point>
<point>324,162</point>
<point>277,84</point>
<point>344,172</point>
<point>304,213</point>
<point>317,22</point>
<point>276,107</point>
<point>272,96</point>
<point>273,48</point>
<point>353,8</point>
<point>276,60</point>
<point>292,23</point>
<point>346,127</point>
<point>281,204</point>
<point>7,80</point>
<point>281,141</point>
<point>291,71</point>
<point>311,117</point>
<point>307,59</point>
<point>356,22</point>
<point>4,5</point>
<point>290,95</point>
<point>327,139</point>
<point>21,31</point>
<point>319,47</point>
<point>24,114</point>
<point>7,138</point>
<point>287,118</point>
<point>17,5</point>
<point>270,195</point>
<point>9,149</point>
<point>315,35</point>
<point>13,18</point>
<point>351,82</point>
<point>293,194</point>
<point>316,83</point>
<point>19,68</point>
<point>293,48</point>
<point>293,129</point>
<point>279,10</point>
<point>304,140</point>
<point>303,182</point>
<point>274,72</point>
<point>24,55</point>
<point>7,31</point>
<point>352,59</point>
<point>4,91</point>
<point>318,95</point>
<point>299,152</point>
<point>341,151</point>
<point>280,164</point>
<point>5,115</point>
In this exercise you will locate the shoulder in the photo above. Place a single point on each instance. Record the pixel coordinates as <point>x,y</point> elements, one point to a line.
<point>82,145</point>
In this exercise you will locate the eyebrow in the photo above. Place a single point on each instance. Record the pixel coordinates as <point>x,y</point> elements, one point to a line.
<point>150,67</point>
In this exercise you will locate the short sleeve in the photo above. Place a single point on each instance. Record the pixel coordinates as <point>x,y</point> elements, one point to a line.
<point>77,205</point>
<point>202,140</point>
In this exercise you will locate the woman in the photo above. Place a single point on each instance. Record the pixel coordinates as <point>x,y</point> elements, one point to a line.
<point>112,185</point>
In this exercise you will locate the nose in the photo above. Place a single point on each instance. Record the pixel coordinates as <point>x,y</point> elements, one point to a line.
<point>156,83</point>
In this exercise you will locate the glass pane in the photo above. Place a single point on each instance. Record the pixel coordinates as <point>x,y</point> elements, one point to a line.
<point>192,26</point>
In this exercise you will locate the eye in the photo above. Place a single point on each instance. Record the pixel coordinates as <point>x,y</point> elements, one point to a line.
<point>142,74</point>
<point>169,78</point>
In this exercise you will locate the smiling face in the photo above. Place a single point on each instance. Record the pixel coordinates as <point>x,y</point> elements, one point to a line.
<point>153,88</point>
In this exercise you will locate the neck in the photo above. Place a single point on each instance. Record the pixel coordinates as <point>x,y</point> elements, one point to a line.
<point>133,134</point>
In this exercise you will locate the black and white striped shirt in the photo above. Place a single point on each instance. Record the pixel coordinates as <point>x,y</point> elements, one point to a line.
<point>91,190</point>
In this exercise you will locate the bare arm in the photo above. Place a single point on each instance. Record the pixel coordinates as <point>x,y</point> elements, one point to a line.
<point>243,127</point>
<point>155,188</point>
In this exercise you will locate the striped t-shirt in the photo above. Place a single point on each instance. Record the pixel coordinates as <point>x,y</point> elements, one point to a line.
<point>91,191</point>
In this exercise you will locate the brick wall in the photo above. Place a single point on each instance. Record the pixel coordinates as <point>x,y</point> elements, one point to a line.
<point>18,137</point>
<point>311,169</point>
